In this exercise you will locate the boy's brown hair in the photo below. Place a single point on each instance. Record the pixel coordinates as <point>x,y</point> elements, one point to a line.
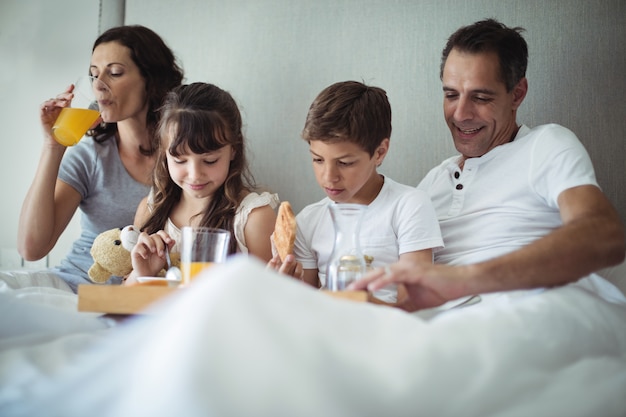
<point>349,111</point>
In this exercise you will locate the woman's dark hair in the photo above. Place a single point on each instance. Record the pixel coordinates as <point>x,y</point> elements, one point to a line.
<point>157,65</point>
<point>200,118</point>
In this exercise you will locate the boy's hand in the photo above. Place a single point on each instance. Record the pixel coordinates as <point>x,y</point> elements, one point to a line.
<point>289,267</point>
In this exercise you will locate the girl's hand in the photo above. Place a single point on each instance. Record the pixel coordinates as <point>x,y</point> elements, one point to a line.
<point>148,255</point>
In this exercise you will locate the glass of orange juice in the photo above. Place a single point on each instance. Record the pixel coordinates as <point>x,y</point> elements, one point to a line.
<point>83,113</point>
<point>200,247</point>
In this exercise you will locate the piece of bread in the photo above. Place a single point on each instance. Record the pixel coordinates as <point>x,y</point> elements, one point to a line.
<point>285,230</point>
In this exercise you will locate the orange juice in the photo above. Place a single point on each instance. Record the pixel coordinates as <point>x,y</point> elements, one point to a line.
<point>191,269</point>
<point>72,124</point>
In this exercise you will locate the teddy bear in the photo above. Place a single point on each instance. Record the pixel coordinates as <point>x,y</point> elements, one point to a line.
<point>111,254</point>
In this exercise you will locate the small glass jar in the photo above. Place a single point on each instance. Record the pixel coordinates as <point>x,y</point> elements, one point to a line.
<point>346,263</point>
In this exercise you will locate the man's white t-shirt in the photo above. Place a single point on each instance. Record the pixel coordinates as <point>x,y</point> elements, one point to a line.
<point>507,198</point>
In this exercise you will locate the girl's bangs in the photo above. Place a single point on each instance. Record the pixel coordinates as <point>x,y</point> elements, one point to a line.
<point>197,133</point>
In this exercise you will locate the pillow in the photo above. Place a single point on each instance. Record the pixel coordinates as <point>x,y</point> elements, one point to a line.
<point>616,275</point>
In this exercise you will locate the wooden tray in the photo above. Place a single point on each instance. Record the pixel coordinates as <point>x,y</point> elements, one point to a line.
<point>360,296</point>
<point>116,299</point>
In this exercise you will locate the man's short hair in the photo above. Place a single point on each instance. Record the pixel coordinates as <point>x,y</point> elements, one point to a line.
<point>492,36</point>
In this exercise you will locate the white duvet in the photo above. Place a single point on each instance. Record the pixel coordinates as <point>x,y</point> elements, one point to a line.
<point>243,341</point>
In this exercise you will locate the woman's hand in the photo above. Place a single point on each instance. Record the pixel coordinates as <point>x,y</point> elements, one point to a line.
<point>49,110</point>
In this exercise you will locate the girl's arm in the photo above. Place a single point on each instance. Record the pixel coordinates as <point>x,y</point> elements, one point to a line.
<point>148,256</point>
<point>257,232</point>
<point>142,214</point>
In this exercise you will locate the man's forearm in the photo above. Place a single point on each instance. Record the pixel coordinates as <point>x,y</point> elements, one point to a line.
<point>565,255</point>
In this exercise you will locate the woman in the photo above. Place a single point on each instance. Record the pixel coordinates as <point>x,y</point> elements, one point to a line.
<point>109,173</point>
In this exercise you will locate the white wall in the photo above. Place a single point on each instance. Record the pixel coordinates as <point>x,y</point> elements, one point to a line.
<point>274,56</point>
<point>44,47</point>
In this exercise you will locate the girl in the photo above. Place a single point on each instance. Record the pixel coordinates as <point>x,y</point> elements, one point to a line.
<point>201,179</point>
<point>107,175</point>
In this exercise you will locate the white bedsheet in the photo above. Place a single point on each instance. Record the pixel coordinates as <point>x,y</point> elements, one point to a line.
<point>244,341</point>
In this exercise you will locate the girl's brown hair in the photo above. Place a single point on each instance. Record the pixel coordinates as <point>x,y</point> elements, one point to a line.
<point>200,118</point>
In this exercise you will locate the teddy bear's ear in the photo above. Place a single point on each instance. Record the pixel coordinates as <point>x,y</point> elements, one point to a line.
<point>98,274</point>
<point>129,236</point>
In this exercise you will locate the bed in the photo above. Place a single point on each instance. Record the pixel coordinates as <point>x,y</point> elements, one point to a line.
<point>244,341</point>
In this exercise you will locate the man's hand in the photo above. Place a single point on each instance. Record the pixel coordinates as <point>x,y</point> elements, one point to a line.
<point>426,285</point>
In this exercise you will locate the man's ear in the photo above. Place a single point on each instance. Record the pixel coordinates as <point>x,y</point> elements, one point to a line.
<point>519,92</point>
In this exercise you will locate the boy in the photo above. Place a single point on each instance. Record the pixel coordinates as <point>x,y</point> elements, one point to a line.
<point>348,129</point>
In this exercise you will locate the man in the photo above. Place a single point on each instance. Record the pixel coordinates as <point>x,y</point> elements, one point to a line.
<point>519,208</point>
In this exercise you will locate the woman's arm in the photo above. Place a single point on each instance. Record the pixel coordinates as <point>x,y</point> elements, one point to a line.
<point>46,211</point>
<point>49,203</point>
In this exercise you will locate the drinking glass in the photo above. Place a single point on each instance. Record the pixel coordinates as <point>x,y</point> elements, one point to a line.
<point>201,247</point>
<point>83,113</point>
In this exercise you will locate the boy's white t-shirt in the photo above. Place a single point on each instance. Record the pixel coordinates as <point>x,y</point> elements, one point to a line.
<point>401,219</point>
